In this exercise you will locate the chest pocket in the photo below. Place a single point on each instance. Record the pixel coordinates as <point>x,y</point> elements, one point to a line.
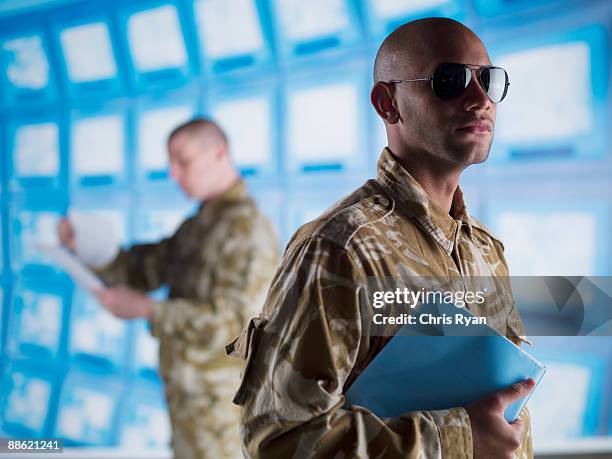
<point>243,348</point>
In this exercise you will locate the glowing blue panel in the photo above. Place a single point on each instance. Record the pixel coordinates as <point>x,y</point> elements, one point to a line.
<point>146,423</point>
<point>387,15</point>
<point>98,146</point>
<point>534,235</point>
<point>228,29</point>
<point>555,415</point>
<point>310,27</point>
<point>96,332</point>
<point>33,228</point>
<point>547,115</point>
<point>272,205</point>
<point>325,126</point>
<point>156,40</point>
<point>36,321</point>
<point>508,7</point>
<point>146,349</point>
<point>36,151</point>
<point>27,400</point>
<point>27,65</point>
<point>246,122</point>
<point>87,408</point>
<point>561,117</point>
<point>156,223</point>
<point>306,21</point>
<point>393,8</point>
<point>88,52</point>
<point>153,129</point>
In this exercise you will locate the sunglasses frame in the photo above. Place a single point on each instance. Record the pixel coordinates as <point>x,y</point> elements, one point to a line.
<point>477,68</point>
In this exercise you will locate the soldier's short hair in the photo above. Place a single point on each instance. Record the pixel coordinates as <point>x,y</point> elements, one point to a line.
<point>200,126</point>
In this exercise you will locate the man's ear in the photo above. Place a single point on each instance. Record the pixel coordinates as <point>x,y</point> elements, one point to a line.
<point>382,98</point>
<point>220,150</point>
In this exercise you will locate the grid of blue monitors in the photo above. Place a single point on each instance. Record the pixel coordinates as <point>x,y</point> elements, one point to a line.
<point>535,233</point>
<point>324,124</point>
<point>39,318</point>
<point>154,124</point>
<point>386,15</point>
<point>580,372</point>
<point>306,28</point>
<point>158,52</point>
<point>95,334</point>
<point>88,57</point>
<point>28,390</point>
<point>145,422</point>
<point>556,104</point>
<point>88,407</point>
<point>27,74</point>
<point>35,148</point>
<point>231,35</point>
<point>98,146</point>
<point>248,118</point>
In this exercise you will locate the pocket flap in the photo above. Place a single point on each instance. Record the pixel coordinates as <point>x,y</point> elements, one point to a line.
<point>243,348</point>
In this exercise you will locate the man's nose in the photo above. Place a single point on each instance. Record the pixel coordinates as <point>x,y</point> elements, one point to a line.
<point>475,96</point>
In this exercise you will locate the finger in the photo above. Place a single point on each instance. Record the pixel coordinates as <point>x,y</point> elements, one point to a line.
<point>515,392</point>
<point>518,426</point>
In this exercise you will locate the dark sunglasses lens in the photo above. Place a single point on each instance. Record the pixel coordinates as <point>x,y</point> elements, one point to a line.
<point>450,80</point>
<point>494,81</point>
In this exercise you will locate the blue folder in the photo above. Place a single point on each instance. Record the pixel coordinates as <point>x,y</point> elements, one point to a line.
<point>420,370</point>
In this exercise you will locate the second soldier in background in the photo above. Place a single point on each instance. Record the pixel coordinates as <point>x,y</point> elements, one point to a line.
<point>217,267</point>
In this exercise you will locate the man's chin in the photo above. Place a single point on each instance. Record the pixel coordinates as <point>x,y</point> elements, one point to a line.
<point>471,153</point>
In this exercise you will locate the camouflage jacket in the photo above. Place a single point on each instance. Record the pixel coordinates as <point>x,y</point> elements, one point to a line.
<point>217,266</point>
<point>311,340</point>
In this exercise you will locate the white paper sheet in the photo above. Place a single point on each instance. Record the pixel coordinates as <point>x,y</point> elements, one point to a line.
<point>71,264</point>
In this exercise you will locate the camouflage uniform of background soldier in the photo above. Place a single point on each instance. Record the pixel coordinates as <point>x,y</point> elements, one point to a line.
<point>310,342</point>
<point>218,266</point>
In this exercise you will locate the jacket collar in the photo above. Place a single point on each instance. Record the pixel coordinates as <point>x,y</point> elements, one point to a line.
<point>411,199</point>
<point>236,192</point>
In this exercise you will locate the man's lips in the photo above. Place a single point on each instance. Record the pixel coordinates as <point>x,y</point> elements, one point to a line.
<point>477,127</point>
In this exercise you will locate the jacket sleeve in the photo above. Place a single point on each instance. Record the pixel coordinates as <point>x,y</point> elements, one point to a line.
<point>243,269</point>
<point>298,361</point>
<point>140,267</point>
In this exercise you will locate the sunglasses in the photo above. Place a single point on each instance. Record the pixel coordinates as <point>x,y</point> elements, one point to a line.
<point>450,80</point>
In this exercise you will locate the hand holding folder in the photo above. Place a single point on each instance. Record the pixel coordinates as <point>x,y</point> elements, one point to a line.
<point>421,370</point>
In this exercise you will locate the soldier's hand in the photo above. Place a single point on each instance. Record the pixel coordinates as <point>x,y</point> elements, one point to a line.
<point>66,235</point>
<point>125,303</point>
<point>492,435</point>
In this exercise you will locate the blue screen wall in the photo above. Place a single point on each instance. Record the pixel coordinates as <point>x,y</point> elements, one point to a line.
<point>90,90</point>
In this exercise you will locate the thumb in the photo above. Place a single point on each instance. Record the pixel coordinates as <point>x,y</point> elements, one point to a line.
<point>515,392</point>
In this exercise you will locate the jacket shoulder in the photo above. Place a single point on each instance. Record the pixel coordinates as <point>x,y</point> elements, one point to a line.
<point>484,232</point>
<point>342,222</point>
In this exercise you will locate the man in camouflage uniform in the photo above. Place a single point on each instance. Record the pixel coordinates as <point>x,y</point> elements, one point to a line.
<point>312,338</point>
<point>218,266</point>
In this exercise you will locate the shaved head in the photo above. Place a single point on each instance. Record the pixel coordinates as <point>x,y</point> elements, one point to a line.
<point>423,130</point>
<point>411,48</point>
<point>207,131</point>
<point>199,159</point>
